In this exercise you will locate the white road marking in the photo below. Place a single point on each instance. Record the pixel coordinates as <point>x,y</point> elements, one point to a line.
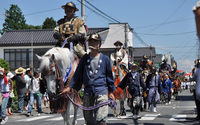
<point>79,119</point>
<point>58,118</point>
<point>178,118</point>
<point>33,118</point>
<point>149,116</point>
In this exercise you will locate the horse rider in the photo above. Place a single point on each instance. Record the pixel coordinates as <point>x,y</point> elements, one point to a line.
<point>120,55</point>
<point>134,81</point>
<point>173,66</point>
<point>120,58</point>
<point>145,64</point>
<point>165,67</point>
<point>73,28</point>
<point>95,72</point>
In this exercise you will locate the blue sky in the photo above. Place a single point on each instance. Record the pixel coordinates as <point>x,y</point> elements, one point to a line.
<point>168,25</point>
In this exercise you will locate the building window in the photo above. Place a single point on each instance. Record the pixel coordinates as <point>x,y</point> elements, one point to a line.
<point>18,57</point>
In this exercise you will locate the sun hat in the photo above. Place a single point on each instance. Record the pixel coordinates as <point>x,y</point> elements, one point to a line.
<point>20,70</point>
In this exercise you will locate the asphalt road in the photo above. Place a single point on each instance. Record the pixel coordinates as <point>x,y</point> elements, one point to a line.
<point>179,112</point>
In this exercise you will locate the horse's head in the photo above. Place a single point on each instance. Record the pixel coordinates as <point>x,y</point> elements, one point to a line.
<point>63,58</point>
<point>48,71</point>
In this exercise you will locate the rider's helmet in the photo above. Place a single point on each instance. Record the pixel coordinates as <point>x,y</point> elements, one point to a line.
<point>118,43</point>
<point>71,5</point>
<point>133,65</point>
<point>95,36</point>
<point>144,57</point>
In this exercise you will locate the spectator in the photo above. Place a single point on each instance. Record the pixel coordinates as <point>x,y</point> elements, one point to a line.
<point>35,94</point>
<point>4,85</point>
<point>11,93</point>
<point>27,78</point>
<point>21,87</point>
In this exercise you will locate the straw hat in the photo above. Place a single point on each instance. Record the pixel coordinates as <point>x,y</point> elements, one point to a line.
<point>20,70</point>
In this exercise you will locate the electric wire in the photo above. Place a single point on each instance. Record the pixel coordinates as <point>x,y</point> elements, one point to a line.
<point>155,28</point>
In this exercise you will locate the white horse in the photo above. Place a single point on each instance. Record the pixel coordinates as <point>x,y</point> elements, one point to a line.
<point>64,59</point>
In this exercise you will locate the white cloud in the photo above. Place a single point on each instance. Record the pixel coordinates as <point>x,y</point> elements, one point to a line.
<point>186,65</point>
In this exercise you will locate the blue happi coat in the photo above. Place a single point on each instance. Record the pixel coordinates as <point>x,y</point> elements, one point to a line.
<point>154,86</point>
<point>196,77</point>
<point>167,86</point>
<point>134,81</point>
<point>95,83</point>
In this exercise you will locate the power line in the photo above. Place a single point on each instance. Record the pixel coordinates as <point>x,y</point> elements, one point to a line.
<point>102,12</point>
<point>39,12</point>
<point>97,12</point>
<point>182,33</point>
<point>137,36</point>
<point>140,39</point>
<point>169,16</point>
<point>175,21</point>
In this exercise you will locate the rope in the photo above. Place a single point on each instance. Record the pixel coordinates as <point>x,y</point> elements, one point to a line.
<point>110,102</point>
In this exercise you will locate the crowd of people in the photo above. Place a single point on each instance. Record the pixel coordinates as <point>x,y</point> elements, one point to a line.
<point>29,88</point>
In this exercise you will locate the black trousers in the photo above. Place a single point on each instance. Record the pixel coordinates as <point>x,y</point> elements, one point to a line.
<point>197,102</point>
<point>135,108</point>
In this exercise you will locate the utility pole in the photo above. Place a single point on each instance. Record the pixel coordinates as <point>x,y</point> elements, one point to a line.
<point>125,42</point>
<point>83,9</point>
<point>32,50</point>
<point>196,10</point>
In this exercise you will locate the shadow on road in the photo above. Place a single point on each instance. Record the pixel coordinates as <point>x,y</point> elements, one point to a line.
<point>117,124</point>
<point>190,121</point>
<point>153,124</point>
<point>185,98</point>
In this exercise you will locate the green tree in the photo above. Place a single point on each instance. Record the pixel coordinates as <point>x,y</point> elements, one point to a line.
<point>49,23</point>
<point>4,64</point>
<point>14,20</point>
<point>33,27</point>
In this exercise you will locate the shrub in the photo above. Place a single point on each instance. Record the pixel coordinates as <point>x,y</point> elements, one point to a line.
<point>4,64</point>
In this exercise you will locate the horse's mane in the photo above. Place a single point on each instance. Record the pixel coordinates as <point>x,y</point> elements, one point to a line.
<point>62,56</point>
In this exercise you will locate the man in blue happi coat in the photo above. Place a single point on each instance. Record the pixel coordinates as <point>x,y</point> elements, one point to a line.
<point>134,81</point>
<point>167,88</point>
<point>153,84</point>
<point>95,72</point>
<point>196,91</point>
